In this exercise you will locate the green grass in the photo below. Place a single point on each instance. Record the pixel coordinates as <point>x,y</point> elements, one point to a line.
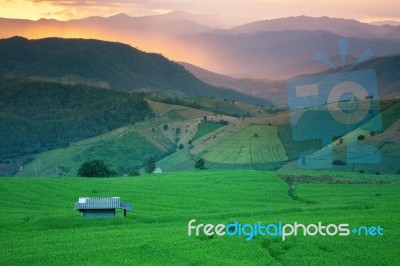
<point>40,227</point>
<point>254,144</point>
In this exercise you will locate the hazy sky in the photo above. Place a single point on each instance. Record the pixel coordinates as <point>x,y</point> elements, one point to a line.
<point>364,10</point>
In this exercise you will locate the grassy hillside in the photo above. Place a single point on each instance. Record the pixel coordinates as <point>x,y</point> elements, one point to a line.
<point>129,147</point>
<point>124,149</point>
<point>40,226</point>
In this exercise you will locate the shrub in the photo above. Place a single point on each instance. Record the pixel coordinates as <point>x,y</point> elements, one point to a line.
<point>361,137</point>
<point>150,165</point>
<point>181,146</point>
<point>134,173</point>
<point>165,127</point>
<point>95,168</point>
<point>200,164</point>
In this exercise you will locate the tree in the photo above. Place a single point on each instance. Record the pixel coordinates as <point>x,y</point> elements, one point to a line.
<point>200,164</point>
<point>150,165</point>
<point>95,168</point>
<point>165,127</point>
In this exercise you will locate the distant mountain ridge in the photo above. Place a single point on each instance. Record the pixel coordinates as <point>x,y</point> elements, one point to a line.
<point>344,27</point>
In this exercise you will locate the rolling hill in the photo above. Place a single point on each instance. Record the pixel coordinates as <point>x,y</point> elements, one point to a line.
<point>387,69</point>
<point>103,64</point>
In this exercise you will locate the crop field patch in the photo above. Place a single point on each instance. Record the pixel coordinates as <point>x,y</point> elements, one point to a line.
<point>253,144</point>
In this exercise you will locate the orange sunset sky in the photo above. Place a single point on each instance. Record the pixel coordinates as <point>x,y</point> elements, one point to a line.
<point>363,10</point>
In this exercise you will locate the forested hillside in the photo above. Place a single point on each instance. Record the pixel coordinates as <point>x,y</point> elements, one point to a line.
<point>39,116</point>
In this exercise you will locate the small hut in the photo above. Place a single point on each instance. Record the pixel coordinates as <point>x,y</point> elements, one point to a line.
<point>101,207</point>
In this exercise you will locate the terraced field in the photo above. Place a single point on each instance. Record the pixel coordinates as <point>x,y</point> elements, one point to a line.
<point>252,145</point>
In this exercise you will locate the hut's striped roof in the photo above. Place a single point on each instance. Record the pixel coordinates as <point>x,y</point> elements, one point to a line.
<point>102,203</point>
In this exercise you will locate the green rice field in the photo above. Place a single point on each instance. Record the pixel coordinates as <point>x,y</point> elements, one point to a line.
<point>39,225</point>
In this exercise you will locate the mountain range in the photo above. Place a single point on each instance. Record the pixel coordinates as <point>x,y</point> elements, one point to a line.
<point>272,49</point>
